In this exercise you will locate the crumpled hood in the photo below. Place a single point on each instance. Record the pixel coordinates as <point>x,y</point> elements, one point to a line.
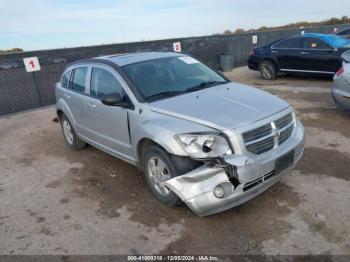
<point>231,105</point>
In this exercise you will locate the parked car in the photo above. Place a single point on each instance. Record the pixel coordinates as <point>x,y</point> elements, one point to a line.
<point>341,84</point>
<point>9,65</point>
<point>56,60</point>
<point>198,137</point>
<point>344,33</point>
<point>309,53</point>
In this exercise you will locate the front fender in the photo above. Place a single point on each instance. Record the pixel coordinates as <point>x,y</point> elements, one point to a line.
<point>162,130</point>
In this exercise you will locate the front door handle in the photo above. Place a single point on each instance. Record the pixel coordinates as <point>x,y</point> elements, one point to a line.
<point>274,52</point>
<point>92,106</point>
<point>67,96</point>
<point>304,53</point>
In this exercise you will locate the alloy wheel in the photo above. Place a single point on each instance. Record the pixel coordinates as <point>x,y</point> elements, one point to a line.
<point>158,172</point>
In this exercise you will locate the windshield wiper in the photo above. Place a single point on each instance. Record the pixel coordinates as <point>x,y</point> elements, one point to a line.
<point>205,85</point>
<point>179,92</point>
<point>164,94</point>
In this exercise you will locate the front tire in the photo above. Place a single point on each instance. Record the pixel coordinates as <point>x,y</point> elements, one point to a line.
<point>267,70</point>
<point>159,167</point>
<point>70,137</point>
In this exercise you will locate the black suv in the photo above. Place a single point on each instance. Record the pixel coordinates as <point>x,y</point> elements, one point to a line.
<point>309,53</point>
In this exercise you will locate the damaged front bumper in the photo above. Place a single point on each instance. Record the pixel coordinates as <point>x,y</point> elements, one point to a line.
<point>196,188</point>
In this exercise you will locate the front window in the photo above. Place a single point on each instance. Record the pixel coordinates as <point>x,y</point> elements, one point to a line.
<point>104,83</point>
<point>315,43</point>
<point>345,32</point>
<point>166,77</point>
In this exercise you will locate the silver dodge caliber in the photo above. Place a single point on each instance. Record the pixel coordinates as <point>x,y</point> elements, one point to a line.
<point>199,138</point>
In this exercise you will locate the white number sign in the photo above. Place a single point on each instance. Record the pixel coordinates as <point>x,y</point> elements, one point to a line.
<point>31,64</point>
<point>255,39</point>
<point>177,47</point>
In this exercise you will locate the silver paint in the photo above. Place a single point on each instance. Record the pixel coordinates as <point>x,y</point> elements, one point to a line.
<point>230,109</point>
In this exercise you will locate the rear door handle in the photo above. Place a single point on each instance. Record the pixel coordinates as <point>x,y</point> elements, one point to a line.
<point>67,96</point>
<point>304,53</point>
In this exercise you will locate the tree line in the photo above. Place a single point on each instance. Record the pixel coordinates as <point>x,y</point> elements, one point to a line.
<point>302,24</point>
<point>12,50</point>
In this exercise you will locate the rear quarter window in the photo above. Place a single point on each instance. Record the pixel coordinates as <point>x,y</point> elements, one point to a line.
<point>65,79</point>
<point>289,43</point>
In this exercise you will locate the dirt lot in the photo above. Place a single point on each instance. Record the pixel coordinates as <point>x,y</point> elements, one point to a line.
<point>56,201</point>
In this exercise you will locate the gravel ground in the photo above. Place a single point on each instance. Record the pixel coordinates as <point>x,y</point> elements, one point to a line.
<point>56,201</point>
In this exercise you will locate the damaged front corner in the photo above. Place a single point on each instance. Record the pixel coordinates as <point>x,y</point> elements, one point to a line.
<point>197,182</point>
<point>237,160</point>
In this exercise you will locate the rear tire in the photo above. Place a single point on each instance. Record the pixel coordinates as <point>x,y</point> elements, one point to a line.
<point>267,70</point>
<point>160,166</point>
<point>70,137</point>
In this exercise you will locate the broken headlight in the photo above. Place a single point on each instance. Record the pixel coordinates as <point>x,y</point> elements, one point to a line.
<point>202,146</point>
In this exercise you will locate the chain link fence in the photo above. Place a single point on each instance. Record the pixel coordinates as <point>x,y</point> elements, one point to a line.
<point>21,91</point>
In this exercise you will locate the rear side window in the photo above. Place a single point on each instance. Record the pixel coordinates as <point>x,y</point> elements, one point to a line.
<point>104,83</point>
<point>65,79</point>
<point>289,43</point>
<point>315,43</point>
<point>345,32</point>
<point>78,79</point>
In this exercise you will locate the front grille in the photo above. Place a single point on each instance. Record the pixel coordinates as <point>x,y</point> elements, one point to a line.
<point>285,134</point>
<point>264,138</point>
<point>257,133</point>
<point>258,181</point>
<point>262,146</point>
<point>284,121</point>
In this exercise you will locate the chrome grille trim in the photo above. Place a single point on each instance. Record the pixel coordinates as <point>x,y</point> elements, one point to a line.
<point>269,136</point>
<point>284,121</point>
<point>285,134</point>
<point>257,133</point>
<point>262,146</point>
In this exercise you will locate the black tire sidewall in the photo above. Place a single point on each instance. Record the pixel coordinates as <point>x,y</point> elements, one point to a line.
<point>172,199</point>
<point>271,67</point>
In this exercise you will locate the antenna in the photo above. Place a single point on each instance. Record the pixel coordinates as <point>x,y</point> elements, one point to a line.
<point>126,45</point>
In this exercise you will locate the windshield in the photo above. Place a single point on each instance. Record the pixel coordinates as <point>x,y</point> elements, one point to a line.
<point>166,77</point>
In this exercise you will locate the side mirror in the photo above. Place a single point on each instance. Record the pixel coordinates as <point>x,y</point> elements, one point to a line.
<point>114,100</point>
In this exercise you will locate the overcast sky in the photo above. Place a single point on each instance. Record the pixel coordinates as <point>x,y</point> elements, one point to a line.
<point>45,24</point>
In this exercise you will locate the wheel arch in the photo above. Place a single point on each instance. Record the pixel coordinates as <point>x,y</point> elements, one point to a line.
<point>143,144</point>
<point>63,109</point>
<point>272,60</point>
<point>59,113</point>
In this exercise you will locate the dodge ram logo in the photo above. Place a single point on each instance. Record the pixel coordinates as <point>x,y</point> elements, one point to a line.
<point>276,133</point>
